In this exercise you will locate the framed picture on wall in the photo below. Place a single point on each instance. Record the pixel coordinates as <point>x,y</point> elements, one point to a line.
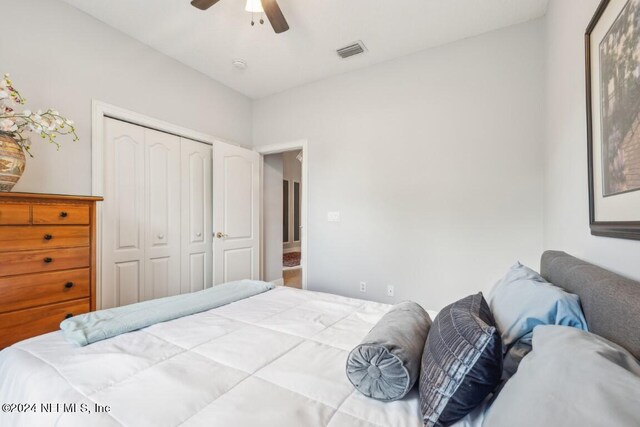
<point>613,119</point>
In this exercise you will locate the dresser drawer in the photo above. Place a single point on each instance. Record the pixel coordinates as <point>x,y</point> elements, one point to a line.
<point>40,237</point>
<point>14,214</point>
<point>43,260</point>
<point>19,325</point>
<point>33,290</point>
<point>60,214</point>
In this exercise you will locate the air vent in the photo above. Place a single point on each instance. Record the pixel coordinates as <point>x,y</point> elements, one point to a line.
<point>355,49</point>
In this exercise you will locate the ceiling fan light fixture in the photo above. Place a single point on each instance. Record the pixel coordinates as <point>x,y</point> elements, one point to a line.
<point>254,6</point>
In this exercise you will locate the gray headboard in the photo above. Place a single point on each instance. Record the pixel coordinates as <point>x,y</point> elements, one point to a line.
<point>611,303</point>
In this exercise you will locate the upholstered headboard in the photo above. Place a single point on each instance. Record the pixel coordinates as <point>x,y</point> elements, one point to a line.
<point>611,303</point>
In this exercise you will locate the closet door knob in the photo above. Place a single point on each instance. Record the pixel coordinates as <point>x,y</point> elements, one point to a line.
<point>68,316</point>
<point>48,237</point>
<point>160,236</point>
<point>63,214</point>
<point>68,285</point>
<point>198,234</point>
<point>48,260</point>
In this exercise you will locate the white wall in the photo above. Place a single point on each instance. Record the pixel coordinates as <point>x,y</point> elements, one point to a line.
<point>272,216</point>
<point>60,57</point>
<point>434,161</point>
<point>566,196</point>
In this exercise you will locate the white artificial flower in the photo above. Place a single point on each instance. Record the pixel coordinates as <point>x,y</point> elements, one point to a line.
<point>27,113</point>
<point>7,125</point>
<point>3,94</point>
<point>70,122</point>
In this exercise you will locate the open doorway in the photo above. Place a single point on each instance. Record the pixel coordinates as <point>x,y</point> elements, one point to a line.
<point>283,215</point>
<point>291,227</point>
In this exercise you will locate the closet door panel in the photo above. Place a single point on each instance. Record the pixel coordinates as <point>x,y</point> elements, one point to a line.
<point>127,282</point>
<point>197,272</point>
<point>162,214</point>
<point>236,213</point>
<point>196,252</point>
<point>122,214</point>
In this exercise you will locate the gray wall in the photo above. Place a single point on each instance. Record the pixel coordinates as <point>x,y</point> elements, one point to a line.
<point>272,216</point>
<point>60,57</point>
<point>566,197</point>
<point>434,160</point>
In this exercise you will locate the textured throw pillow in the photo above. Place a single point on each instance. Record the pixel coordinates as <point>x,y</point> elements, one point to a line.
<point>461,363</point>
<point>386,365</point>
<point>522,300</point>
<point>570,378</point>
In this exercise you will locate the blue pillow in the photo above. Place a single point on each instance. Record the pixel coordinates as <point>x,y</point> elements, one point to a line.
<point>522,300</point>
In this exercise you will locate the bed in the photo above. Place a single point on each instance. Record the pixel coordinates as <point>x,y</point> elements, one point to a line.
<point>275,359</point>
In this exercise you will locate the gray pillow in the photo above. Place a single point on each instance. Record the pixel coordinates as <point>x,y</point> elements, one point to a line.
<point>386,365</point>
<point>570,378</point>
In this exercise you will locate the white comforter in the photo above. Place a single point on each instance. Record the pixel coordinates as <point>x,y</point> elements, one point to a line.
<point>275,359</point>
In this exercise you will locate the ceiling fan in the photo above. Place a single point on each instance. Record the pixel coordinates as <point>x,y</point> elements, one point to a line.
<point>269,7</point>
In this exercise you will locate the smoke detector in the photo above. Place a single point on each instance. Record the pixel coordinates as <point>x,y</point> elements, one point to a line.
<point>240,64</point>
<point>353,49</point>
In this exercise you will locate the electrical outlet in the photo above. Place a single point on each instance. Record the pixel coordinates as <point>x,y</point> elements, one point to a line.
<point>363,286</point>
<point>390,290</point>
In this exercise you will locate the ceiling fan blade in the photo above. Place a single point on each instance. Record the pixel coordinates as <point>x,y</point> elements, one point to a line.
<point>203,4</point>
<point>275,16</point>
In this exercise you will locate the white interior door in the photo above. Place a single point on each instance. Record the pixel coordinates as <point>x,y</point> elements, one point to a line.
<point>162,225</point>
<point>236,219</point>
<point>196,252</point>
<point>123,262</point>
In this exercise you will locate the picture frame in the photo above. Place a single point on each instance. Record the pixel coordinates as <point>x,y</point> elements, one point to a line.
<point>612,70</point>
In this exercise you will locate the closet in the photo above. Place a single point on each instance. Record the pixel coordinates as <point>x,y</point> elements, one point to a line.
<point>158,217</point>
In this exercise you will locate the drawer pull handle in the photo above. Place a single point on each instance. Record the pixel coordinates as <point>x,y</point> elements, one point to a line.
<point>68,285</point>
<point>48,260</point>
<point>68,316</point>
<point>48,237</point>
<point>63,214</point>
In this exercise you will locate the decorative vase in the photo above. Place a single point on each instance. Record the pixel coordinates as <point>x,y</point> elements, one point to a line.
<point>12,162</point>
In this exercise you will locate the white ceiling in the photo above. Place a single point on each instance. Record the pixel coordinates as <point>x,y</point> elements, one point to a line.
<point>210,40</point>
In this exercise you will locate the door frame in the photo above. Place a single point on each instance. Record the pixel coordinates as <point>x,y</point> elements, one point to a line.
<point>100,110</point>
<point>301,144</point>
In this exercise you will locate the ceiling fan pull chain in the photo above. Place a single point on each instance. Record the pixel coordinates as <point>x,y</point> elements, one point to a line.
<point>252,23</point>
<point>262,18</point>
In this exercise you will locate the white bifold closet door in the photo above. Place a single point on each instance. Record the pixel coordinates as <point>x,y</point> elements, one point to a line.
<point>162,215</point>
<point>156,217</point>
<point>197,235</point>
<point>236,213</point>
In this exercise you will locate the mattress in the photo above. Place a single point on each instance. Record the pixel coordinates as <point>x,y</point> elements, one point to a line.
<point>275,359</point>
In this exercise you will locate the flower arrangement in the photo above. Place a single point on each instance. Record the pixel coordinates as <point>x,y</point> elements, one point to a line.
<point>17,125</point>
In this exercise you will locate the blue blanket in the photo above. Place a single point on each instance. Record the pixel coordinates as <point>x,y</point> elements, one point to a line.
<point>100,325</point>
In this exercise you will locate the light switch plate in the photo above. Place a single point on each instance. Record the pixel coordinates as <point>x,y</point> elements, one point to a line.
<point>333,216</point>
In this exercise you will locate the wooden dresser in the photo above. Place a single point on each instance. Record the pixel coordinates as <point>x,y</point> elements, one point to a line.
<point>47,262</point>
